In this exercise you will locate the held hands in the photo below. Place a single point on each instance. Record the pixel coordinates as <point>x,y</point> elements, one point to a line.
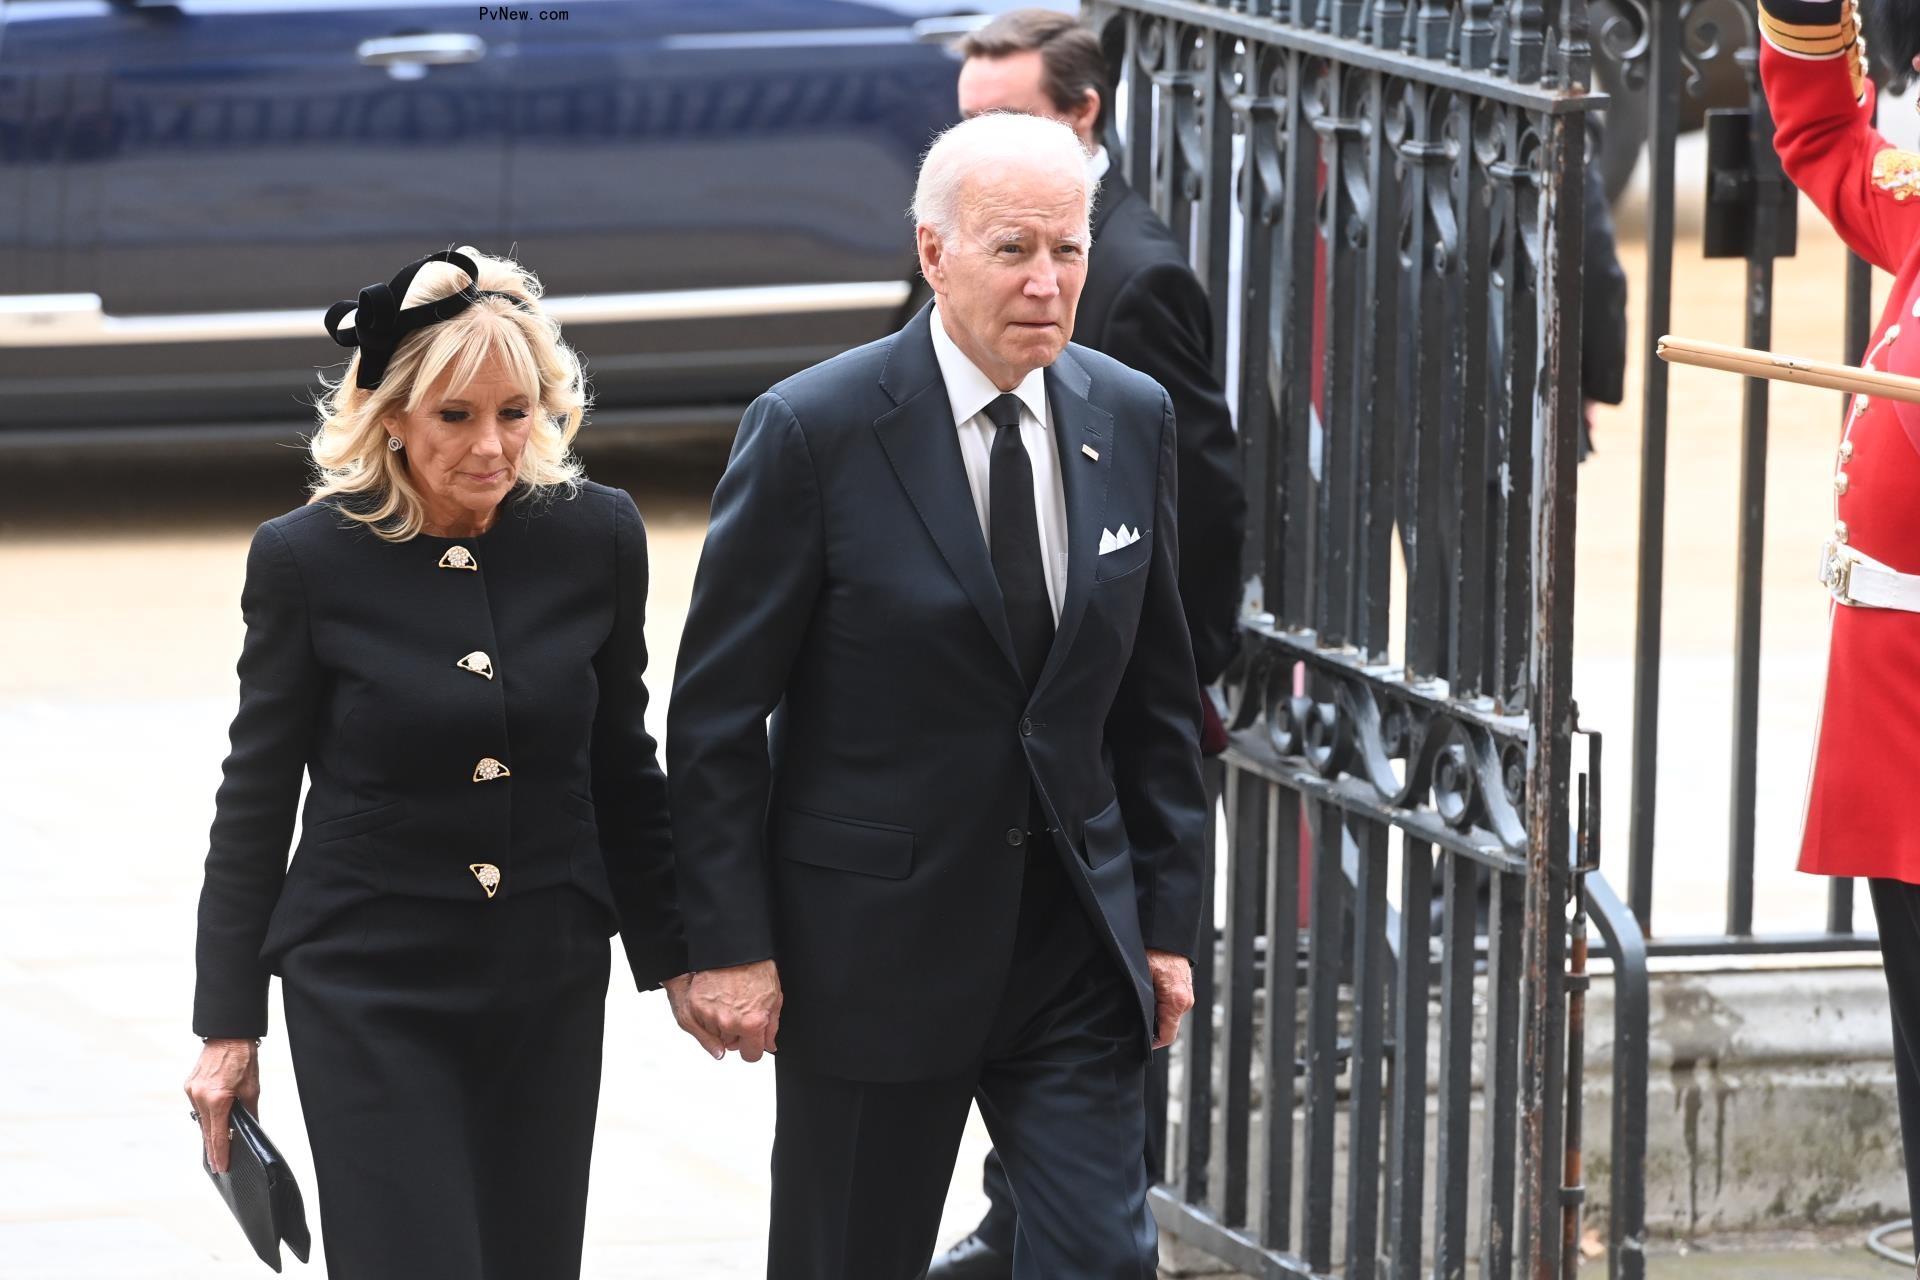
<point>680,1000</point>
<point>228,1071</point>
<point>732,1008</point>
<point>1172,994</point>
<point>739,1007</point>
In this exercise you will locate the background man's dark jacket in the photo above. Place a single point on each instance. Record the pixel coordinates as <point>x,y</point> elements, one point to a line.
<point>1143,306</point>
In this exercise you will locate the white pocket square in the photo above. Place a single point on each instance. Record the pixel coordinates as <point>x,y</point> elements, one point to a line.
<point>1111,540</point>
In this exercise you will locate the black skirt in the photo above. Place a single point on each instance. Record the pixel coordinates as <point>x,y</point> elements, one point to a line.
<point>448,1058</point>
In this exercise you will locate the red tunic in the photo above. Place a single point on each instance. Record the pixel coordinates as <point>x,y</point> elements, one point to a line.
<point>1860,818</point>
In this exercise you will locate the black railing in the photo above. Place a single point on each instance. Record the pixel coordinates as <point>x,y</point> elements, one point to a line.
<point>1384,201</point>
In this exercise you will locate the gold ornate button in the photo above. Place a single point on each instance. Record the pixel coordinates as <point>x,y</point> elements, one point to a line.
<point>1839,530</point>
<point>459,558</point>
<point>1840,482</point>
<point>1846,451</point>
<point>488,875</point>
<point>489,769</point>
<point>478,663</point>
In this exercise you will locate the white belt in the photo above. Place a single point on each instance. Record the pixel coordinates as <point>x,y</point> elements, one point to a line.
<point>1865,583</point>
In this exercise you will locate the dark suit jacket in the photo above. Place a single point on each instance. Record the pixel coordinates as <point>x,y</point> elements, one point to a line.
<point>1143,306</point>
<point>349,674</point>
<point>875,845</point>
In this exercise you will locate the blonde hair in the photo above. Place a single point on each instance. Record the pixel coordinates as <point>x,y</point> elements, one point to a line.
<point>349,451</point>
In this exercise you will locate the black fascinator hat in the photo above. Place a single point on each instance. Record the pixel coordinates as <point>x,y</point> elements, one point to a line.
<point>379,323</point>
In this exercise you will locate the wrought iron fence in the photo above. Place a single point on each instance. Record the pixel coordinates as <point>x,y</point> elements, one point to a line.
<point>1384,201</point>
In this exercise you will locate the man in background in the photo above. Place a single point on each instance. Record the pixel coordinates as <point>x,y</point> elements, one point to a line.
<point>1143,306</point>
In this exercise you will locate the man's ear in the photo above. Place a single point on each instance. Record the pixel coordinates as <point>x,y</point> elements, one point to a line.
<point>932,262</point>
<point>1085,118</point>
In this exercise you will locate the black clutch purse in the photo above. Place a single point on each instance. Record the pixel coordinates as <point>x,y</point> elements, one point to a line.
<point>259,1187</point>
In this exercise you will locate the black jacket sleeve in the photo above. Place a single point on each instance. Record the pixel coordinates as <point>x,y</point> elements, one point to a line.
<point>1153,734</point>
<point>259,794</point>
<point>753,599</point>
<point>629,788</point>
<point>1161,326</point>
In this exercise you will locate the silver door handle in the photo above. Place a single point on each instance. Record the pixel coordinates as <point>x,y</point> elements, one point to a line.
<point>947,30</point>
<point>436,50</point>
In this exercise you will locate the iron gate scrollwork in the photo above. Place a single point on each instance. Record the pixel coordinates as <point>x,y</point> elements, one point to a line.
<point>1383,199</point>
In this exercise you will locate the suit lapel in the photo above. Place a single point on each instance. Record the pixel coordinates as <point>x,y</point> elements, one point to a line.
<point>1077,425</point>
<point>920,441</point>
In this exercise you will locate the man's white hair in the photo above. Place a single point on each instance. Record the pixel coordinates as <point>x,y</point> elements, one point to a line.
<point>985,144</point>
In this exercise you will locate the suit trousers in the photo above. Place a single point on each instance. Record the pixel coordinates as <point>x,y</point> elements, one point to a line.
<point>999,1228</point>
<point>861,1170</point>
<point>1896,906</point>
<point>448,1058</point>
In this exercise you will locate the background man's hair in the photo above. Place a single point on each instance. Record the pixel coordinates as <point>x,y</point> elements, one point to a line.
<point>1070,56</point>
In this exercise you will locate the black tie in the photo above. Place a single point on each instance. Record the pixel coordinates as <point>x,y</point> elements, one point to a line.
<point>1014,541</point>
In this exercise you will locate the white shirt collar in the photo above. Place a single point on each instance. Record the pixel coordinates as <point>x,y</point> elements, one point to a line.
<point>969,390</point>
<point>1097,165</point>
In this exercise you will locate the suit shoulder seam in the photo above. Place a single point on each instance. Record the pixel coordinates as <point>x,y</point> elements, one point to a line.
<point>813,467</point>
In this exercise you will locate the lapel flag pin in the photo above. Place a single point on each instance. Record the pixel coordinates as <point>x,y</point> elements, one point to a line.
<point>1090,451</point>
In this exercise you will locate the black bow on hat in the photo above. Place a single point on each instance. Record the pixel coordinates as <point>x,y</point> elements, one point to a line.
<point>379,324</point>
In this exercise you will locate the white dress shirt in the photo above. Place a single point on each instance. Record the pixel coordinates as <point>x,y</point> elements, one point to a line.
<point>969,392</point>
<point>1097,165</point>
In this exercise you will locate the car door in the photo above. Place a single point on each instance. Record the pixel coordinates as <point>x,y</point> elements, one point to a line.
<point>226,169</point>
<point>273,153</point>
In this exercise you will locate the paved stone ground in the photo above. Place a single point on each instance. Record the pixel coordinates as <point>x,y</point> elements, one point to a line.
<point>1824,1256</point>
<point>118,630</point>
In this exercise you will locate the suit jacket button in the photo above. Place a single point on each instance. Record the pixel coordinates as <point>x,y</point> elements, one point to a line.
<point>1026,726</point>
<point>1016,837</point>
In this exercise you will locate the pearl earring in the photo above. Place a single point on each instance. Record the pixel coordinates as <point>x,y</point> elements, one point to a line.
<point>394,444</point>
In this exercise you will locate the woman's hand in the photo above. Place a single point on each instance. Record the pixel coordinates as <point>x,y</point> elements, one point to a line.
<point>228,1071</point>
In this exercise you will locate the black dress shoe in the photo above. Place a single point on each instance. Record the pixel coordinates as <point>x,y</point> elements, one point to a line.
<point>972,1259</point>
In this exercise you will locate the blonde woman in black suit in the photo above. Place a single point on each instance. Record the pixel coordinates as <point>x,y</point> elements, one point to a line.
<point>447,640</point>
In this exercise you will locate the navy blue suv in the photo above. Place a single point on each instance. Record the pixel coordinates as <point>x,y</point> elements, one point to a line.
<point>713,191</point>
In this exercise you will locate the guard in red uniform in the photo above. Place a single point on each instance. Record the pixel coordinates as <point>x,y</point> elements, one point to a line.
<point>1861,820</point>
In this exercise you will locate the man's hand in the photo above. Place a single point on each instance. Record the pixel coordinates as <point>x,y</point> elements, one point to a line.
<point>1172,994</point>
<point>228,1071</point>
<point>738,1007</point>
<point>680,1000</point>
